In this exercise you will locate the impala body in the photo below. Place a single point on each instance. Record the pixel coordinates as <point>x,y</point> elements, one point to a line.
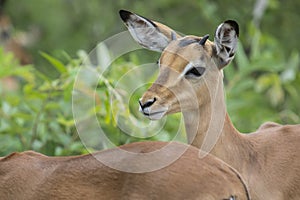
<point>190,81</point>
<point>33,176</point>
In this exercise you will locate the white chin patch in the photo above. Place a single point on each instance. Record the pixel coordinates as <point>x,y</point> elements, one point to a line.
<point>156,116</point>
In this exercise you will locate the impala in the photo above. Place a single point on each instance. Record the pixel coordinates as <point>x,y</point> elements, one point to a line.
<point>10,44</point>
<point>190,81</point>
<point>33,176</point>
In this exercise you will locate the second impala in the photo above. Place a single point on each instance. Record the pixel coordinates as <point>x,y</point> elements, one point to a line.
<point>190,81</point>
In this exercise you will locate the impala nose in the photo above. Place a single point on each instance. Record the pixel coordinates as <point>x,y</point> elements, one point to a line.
<point>146,104</point>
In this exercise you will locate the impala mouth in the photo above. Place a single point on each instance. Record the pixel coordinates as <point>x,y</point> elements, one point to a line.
<point>154,114</point>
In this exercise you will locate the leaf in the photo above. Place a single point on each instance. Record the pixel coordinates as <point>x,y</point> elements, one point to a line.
<point>291,68</point>
<point>241,57</point>
<point>267,81</point>
<point>65,122</point>
<point>276,95</point>
<point>55,63</point>
<point>103,56</point>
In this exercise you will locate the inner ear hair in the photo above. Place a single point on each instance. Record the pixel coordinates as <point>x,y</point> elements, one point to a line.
<point>149,34</point>
<point>226,38</point>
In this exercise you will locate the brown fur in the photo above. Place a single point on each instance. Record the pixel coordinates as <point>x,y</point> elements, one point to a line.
<point>31,175</point>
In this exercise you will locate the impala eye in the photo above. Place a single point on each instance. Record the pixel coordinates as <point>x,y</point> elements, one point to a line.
<point>195,72</point>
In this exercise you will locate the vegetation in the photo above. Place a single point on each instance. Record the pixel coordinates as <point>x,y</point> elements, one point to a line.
<point>262,84</point>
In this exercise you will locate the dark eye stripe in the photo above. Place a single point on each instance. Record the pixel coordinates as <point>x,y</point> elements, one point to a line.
<point>195,72</point>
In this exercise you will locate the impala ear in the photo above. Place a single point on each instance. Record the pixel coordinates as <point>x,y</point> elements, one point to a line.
<point>226,39</point>
<point>151,35</point>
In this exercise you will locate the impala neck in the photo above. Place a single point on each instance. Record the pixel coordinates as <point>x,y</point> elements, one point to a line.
<point>211,130</point>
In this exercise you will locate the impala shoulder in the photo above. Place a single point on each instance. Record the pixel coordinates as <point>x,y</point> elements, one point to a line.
<point>281,128</point>
<point>268,125</point>
<point>18,155</point>
<point>290,129</point>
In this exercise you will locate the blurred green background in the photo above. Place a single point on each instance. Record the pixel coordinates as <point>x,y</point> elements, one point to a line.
<point>262,83</point>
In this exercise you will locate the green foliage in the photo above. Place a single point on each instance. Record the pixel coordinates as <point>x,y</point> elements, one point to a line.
<point>262,83</point>
<point>260,87</point>
<point>73,24</point>
<point>38,116</point>
<point>263,86</point>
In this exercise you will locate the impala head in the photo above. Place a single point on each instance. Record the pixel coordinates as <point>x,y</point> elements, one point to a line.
<point>5,29</point>
<point>188,65</point>
<point>5,24</point>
